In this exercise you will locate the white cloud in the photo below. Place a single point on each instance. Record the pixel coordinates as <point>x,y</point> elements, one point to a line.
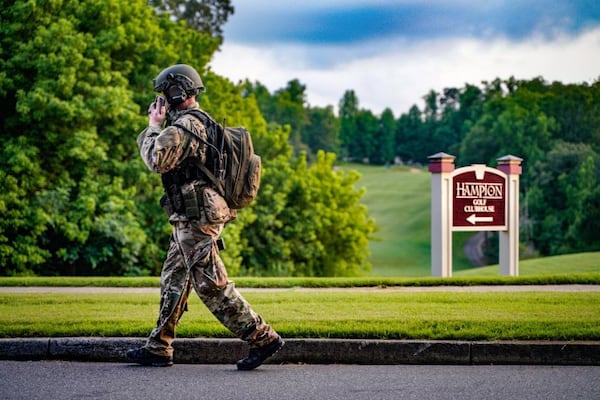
<point>396,74</point>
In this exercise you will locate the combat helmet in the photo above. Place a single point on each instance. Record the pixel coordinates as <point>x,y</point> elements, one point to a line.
<point>178,82</point>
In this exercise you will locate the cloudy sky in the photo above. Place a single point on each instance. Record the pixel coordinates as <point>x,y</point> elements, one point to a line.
<point>392,52</point>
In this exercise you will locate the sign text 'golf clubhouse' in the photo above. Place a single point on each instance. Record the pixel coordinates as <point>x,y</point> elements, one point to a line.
<point>479,199</point>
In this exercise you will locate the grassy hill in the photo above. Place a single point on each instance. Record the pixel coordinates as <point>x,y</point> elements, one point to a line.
<point>398,199</point>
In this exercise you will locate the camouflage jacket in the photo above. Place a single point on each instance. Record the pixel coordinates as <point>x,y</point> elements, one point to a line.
<point>165,149</point>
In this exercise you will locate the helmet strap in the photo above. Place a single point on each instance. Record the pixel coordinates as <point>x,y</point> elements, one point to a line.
<point>175,95</point>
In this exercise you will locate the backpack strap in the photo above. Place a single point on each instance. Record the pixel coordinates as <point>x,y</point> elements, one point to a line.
<point>216,135</point>
<point>217,183</point>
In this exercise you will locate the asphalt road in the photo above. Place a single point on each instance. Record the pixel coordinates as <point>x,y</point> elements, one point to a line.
<point>77,380</point>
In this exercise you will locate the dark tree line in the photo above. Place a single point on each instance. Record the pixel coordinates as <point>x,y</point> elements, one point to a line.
<point>554,127</point>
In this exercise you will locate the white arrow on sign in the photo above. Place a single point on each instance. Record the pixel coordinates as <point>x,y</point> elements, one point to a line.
<point>473,219</point>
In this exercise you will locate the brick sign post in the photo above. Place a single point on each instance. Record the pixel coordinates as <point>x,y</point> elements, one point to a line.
<point>474,198</point>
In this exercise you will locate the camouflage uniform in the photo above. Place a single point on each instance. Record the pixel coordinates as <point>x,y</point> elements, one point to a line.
<point>193,258</point>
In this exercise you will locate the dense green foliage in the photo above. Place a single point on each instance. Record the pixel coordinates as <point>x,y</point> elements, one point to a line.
<point>554,127</point>
<point>307,221</point>
<point>206,16</point>
<point>75,81</point>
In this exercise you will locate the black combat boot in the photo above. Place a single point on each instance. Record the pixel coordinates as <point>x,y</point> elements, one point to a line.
<point>257,356</point>
<point>144,357</point>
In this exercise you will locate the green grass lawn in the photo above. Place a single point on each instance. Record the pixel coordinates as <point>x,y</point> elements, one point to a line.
<point>379,313</point>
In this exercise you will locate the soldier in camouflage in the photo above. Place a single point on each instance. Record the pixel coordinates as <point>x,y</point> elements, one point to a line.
<point>198,214</point>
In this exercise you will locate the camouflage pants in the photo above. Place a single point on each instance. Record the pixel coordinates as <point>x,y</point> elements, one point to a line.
<point>193,247</point>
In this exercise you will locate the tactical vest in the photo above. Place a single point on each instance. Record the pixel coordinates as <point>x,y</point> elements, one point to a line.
<point>180,193</point>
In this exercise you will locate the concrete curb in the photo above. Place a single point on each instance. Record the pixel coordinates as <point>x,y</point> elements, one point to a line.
<point>314,351</point>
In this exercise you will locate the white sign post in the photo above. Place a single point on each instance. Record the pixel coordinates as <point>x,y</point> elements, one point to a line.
<point>441,166</point>
<point>509,239</point>
<point>474,198</point>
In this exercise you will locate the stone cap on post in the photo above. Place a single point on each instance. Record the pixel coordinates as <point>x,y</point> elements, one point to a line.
<point>441,162</point>
<point>510,165</point>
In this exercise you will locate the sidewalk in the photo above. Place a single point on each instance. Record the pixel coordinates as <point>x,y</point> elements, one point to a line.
<point>474,288</point>
<point>314,351</point>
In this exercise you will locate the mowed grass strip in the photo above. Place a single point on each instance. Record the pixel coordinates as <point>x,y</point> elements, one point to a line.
<point>379,314</point>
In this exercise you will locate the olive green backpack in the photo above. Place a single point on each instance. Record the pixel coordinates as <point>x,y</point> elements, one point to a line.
<point>231,165</point>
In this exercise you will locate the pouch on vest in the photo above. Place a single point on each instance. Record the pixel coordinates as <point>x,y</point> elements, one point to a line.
<point>215,207</point>
<point>190,200</point>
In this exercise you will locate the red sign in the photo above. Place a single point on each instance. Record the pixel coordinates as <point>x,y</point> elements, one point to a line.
<point>478,199</point>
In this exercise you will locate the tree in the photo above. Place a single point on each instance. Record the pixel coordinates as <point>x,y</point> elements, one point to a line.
<point>206,16</point>
<point>71,86</point>
<point>348,112</point>
<point>409,146</point>
<point>52,80</point>
<point>513,125</point>
<point>447,132</point>
<point>563,199</point>
<point>309,222</point>
<point>289,109</point>
<point>576,109</point>
<point>321,132</point>
<point>362,147</point>
<point>287,106</point>
<point>265,100</point>
<point>383,146</point>
<point>431,105</point>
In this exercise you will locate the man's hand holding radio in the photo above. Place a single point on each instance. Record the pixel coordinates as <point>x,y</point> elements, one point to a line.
<point>157,112</point>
